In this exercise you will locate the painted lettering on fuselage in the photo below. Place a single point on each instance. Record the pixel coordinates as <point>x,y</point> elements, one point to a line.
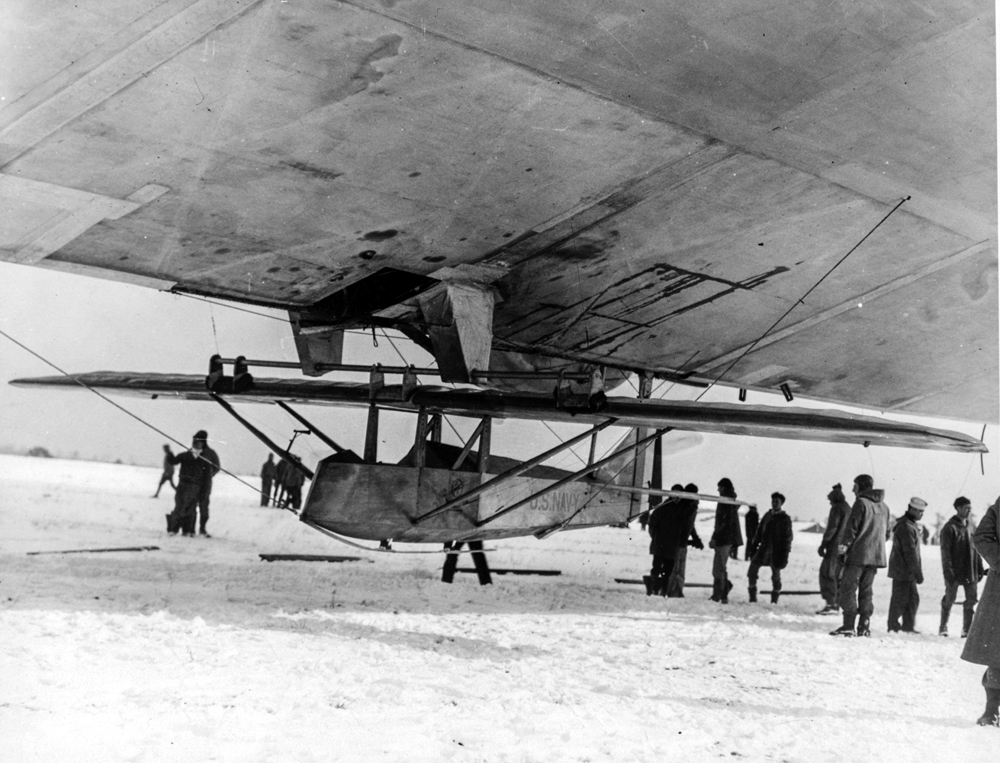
<point>560,501</point>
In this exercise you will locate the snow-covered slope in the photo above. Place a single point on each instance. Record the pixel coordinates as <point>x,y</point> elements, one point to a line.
<point>201,651</point>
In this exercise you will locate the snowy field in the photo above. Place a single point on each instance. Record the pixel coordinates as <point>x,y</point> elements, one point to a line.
<point>200,651</point>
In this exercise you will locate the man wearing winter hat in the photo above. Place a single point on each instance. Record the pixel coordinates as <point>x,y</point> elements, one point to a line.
<point>961,565</point>
<point>830,567</point>
<point>905,568</point>
<point>863,547</point>
<point>211,459</point>
<point>193,473</point>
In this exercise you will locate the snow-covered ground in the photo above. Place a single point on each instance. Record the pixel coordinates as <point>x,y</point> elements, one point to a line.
<point>200,651</point>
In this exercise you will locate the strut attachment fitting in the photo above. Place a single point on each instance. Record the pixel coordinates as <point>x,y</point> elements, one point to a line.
<point>218,382</point>
<point>587,395</point>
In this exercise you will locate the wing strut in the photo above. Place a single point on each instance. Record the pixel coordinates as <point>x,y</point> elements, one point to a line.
<point>285,454</point>
<point>302,420</point>
<point>575,477</point>
<point>514,472</point>
<point>473,439</point>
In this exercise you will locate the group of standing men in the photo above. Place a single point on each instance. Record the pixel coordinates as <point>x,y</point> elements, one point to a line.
<point>671,530</point>
<point>853,549</point>
<point>281,483</point>
<point>194,485</point>
<point>768,543</point>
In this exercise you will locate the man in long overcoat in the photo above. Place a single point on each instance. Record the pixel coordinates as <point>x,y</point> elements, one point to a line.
<point>982,646</point>
<point>770,547</point>
<point>293,481</point>
<point>905,567</point>
<point>961,565</point>
<point>725,539</point>
<point>675,583</point>
<point>211,459</point>
<point>751,521</point>
<point>863,548</point>
<point>193,469</point>
<point>670,527</point>
<point>267,472</point>
<point>832,565</point>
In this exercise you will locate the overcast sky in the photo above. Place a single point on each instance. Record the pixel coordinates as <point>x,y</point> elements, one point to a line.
<point>84,324</point>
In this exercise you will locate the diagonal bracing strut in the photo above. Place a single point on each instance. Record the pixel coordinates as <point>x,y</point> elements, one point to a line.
<point>285,454</point>
<point>511,473</point>
<point>302,420</point>
<point>575,477</point>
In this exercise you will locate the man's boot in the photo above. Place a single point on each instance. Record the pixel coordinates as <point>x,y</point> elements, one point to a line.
<point>847,629</point>
<point>724,588</point>
<point>752,590</point>
<point>863,629</point>
<point>943,628</point>
<point>716,588</point>
<point>991,717</point>
<point>967,616</point>
<point>648,581</point>
<point>774,596</point>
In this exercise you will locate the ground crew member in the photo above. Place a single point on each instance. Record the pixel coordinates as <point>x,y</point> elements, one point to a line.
<point>961,565</point>
<point>205,489</point>
<point>193,469</point>
<point>905,568</point>
<point>863,548</point>
<point>267,472</point>
<point>832,564</point>
<point>770,547</point>
<point>168,471</point>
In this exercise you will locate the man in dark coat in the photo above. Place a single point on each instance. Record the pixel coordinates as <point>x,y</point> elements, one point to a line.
<point>267,472</point>
<point>168,471</point>
<point>294,480</point>
<point>670,527</point>
<point>961,565</point>
<point>205,489</point>
<point>280,472</point>
<point>662,541</point>
<point>863,547</point>
<point>750,521</point>
<point>832,564</point>
<point>905,568</point>
<point>193,469</point>
<point>770,547</point>
<point>725,539</point>
<point>675,583</point>
<point>982,646</point>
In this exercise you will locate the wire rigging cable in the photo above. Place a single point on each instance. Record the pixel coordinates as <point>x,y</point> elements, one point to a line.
<point>121,408</point>
<point>182,445</point>
<point>799,301</point>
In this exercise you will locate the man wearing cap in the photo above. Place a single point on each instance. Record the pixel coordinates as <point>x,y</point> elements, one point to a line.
<point>863,547</point>
<point>830,567</point>
<point>211,459</point>
<point>193,469</point>
<point>905,568</point>
<point>961,565</point>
